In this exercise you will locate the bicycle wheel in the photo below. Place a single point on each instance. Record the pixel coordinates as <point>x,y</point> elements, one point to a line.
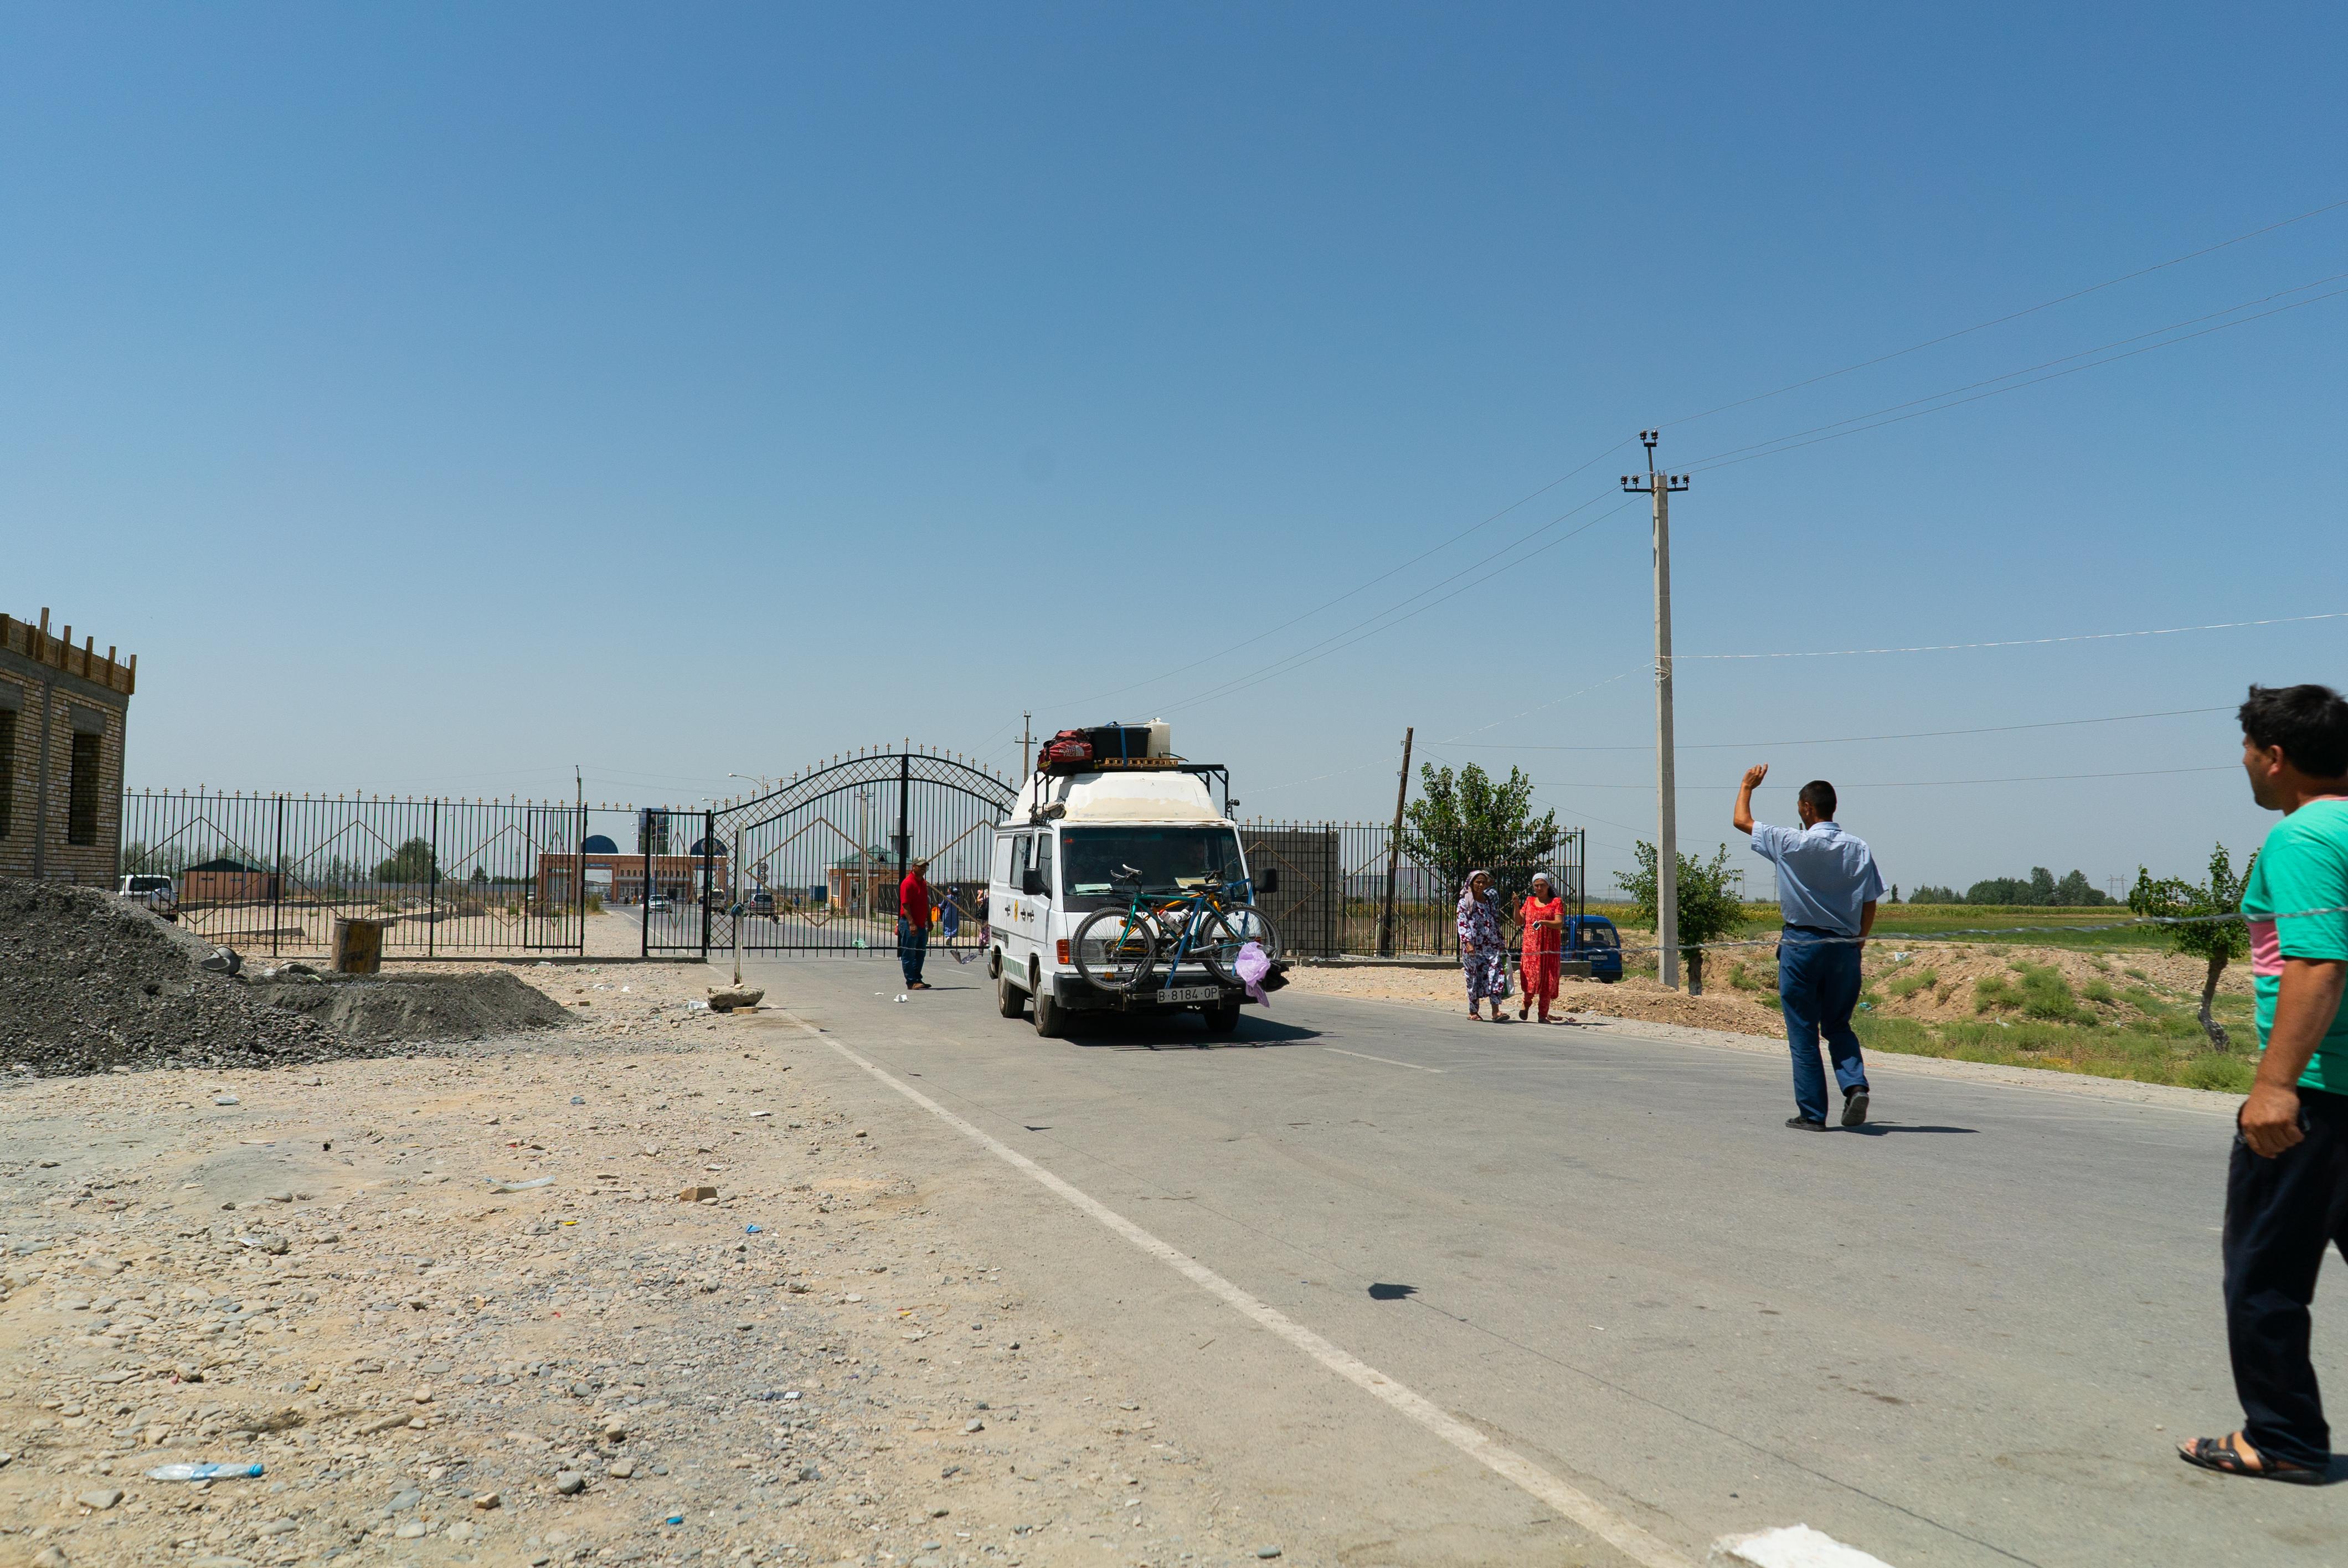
<point>1115,950</point>
<point>1224,932</point>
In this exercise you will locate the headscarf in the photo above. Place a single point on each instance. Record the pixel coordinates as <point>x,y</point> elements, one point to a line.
<point>1467,898</point>
<point>1541,879</point>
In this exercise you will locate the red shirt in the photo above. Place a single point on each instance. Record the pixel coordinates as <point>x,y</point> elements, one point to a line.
<point>914,898</point>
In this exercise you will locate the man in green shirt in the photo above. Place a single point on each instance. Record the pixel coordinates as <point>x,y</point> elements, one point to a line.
<point>2287,1187</point>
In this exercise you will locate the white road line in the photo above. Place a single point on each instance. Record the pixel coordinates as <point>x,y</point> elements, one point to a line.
<point>1579,1507</point>
<point>1389,1061</point>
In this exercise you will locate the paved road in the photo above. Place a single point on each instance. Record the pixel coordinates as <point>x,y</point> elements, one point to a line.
<point>1954,1339</point>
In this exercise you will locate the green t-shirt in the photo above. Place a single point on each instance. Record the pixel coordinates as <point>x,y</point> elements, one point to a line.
<point>2304,865</point>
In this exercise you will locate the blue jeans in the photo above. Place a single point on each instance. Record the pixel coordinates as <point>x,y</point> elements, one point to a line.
<point>912,946</point>
<point>1817,979</point>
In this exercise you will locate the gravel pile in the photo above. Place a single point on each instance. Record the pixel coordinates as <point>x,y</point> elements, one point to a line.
<point>397,1008</point>
<point>89,982</point>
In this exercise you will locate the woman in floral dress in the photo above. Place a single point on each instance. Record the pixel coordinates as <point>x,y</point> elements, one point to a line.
<point>1482,952</point>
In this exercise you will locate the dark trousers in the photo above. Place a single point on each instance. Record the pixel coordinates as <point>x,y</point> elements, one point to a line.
<point>912,946</point>
<point>1817,979</point>
<point>2280,1213</point>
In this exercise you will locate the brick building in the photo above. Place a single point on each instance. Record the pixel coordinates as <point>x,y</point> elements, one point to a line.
<point>61,725</point>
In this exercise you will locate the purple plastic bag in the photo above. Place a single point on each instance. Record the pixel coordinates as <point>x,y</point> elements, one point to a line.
<point>1252,966</point>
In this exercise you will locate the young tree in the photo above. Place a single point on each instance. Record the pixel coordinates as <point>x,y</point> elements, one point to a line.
<point>2215,942</point>
<point>1462,824</point>
<point>410,863</point>
<point>1709,907</point>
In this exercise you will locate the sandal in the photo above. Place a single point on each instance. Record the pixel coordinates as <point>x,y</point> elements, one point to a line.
<point>2220,1455</point>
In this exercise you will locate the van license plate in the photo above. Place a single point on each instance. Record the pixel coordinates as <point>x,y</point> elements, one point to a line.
<point>1191,994</point>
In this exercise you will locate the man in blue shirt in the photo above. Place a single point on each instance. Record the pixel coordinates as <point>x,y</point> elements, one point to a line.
<point>1827,887</point>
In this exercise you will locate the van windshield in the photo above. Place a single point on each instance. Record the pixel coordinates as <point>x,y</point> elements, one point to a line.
<point>1167,857</point>
<point>149,884</point>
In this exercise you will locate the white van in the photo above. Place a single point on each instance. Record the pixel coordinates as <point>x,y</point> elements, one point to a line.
<point>1070,848</point>
<point>154,892</point>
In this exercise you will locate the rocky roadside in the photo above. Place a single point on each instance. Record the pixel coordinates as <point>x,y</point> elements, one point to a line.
<point>314,1270</point>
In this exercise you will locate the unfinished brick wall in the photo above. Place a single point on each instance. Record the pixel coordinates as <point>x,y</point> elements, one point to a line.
<point>64,822</point>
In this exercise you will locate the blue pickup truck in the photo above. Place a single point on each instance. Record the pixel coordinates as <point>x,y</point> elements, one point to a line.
<point>1592,939</point>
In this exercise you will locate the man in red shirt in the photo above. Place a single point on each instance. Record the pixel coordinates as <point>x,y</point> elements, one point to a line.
<point>913,925</point>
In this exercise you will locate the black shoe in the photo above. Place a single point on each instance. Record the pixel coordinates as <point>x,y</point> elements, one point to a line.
<point>1854,1108</point>
<point>1804,1124</point>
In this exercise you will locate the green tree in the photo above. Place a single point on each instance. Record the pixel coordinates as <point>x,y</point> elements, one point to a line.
<point>412,862</point>
<point>480,878</point>
<point>1927,894</point>
<point>1462,824</point>
<point>2074,890</point>
<point>1709,907</point>
<point>2215,942</point>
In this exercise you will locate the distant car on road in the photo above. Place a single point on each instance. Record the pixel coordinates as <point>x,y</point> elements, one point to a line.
<point>1592,939</point>
<point>762,902</point>
<point>152,892</point>
<point>657,903</point>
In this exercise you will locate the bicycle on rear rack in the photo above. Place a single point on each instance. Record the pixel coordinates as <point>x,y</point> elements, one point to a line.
<point>1120,950</point>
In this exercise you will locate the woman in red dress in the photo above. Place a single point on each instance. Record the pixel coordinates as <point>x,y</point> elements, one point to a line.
<point>1543,914</point>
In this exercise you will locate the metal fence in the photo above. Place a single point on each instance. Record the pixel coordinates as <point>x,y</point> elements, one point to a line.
<point>821,861</point>
<point>1345,888</point>
<point>272,873</point>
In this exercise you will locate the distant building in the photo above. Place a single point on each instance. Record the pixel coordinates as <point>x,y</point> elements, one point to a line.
<point>620,879</point>
<point>226,881</point>
<point>62,710</point>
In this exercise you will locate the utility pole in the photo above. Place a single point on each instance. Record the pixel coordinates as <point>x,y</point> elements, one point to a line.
<point>1662,486</point>
<point>1394,851</point>
<point>1027,723</point>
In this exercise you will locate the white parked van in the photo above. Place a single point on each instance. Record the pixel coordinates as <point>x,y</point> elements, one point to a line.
<point>155,892</point>
<point>1080,841</point>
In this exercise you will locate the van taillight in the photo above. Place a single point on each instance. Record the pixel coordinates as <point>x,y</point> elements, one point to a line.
<point>1064,949</point>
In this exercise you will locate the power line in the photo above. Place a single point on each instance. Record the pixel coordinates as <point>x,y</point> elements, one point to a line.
<point>1306,656</point>
<point>2015,315</point>
<point>1845,739</point>
<point>1937,783</point>
<point>1793,443</point>
<point>1325,604</point>
<point>2037,641</point>
<point>1716,460</point>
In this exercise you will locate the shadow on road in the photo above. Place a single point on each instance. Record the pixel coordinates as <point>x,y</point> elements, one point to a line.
<point>1111,1032</point>
<point>1878,1129</point>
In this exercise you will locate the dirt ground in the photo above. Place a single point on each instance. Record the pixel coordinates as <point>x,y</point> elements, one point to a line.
<point>1634,997</point>
<point>340,1272</point>
<point>1726,1006</point>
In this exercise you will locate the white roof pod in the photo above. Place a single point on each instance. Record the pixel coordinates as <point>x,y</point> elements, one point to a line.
<point>1156,796</point>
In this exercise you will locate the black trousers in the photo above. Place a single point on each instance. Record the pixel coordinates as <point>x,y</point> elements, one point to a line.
<point>2280,1215</point>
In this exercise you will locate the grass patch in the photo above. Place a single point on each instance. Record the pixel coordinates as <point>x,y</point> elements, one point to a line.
<point>2147,1050</point>
<point>2054,928</point>
<point>1907,986</point>
<point>2100,991</point>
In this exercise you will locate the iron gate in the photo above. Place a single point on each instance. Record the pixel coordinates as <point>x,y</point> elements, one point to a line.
<point>272,873</point>
<point>820,858</point>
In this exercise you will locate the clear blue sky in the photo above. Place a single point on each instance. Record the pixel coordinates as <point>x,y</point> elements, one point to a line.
<point>434,397</point>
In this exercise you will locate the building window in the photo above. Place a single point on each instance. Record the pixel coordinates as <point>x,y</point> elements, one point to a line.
<point>81,791</point>
<point>8,768</point>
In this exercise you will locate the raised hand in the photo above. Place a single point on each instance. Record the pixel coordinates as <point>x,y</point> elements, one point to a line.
<point>1754,775</point>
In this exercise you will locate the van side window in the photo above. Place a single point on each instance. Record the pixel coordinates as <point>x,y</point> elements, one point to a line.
<point>1003,842</point>
<point>1043,860</point>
